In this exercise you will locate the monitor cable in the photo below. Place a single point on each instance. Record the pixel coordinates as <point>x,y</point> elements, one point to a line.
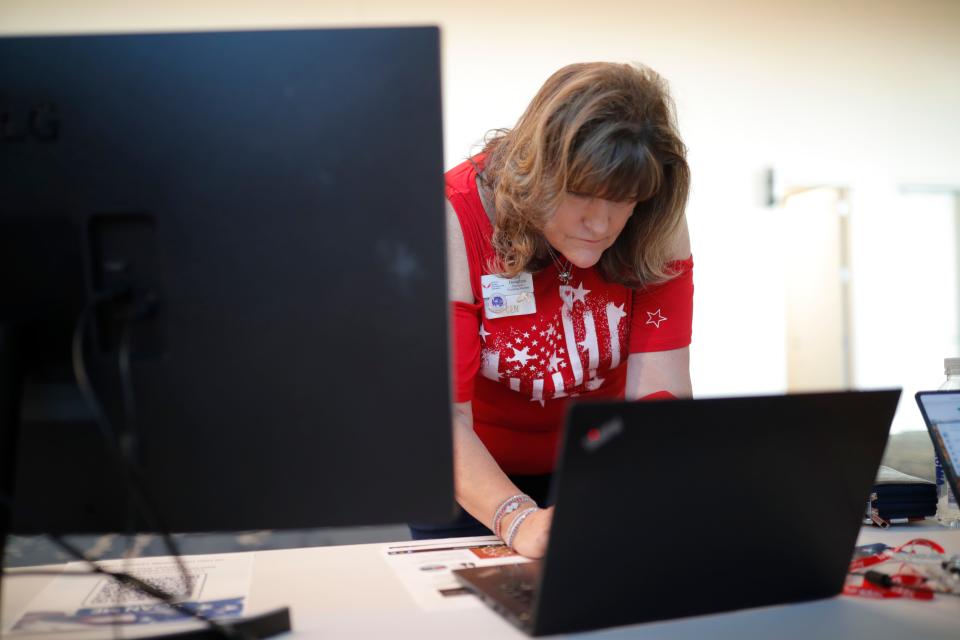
<point>125,452</point>
<point>122,449</point>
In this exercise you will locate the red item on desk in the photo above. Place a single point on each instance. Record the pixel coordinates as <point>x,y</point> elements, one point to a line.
<point>886,554</point>
<point>904,583</point>
<point>904,586</point>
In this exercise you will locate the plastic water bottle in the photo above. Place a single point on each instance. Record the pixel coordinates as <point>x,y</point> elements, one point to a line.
<point>948,513</point>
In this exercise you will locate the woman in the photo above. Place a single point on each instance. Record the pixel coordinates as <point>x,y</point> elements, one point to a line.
<point>571,276</point>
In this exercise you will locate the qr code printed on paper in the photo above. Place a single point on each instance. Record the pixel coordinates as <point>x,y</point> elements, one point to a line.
<point>109,592</point>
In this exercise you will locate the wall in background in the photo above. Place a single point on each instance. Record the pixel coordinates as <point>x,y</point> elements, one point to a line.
<point>861,94</point>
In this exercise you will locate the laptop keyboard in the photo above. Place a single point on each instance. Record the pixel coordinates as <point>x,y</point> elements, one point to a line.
<point>519,590</point>
<point>510,589</point>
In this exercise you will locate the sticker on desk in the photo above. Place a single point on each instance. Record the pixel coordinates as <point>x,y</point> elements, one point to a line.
<point>218,586</point>
<point>425,568</point>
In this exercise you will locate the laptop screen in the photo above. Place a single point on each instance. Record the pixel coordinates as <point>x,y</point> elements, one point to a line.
<point>941,411</point>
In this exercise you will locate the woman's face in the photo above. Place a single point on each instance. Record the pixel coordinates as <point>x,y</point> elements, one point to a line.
<point>583,227</point>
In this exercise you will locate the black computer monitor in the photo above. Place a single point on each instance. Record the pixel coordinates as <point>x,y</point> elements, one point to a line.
<point>261,214</point>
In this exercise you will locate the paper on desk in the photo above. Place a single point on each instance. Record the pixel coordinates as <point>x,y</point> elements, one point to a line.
<point>76,599</point>
<point>425,567</point>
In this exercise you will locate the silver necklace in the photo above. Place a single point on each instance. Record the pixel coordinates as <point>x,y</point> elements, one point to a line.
<point>564,272</point>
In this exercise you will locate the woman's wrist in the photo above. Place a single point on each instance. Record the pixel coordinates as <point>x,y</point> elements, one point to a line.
<point>507,509</point>
<point>518,521</point>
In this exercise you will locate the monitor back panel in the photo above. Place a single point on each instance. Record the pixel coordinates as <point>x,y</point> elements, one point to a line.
<point>282,191</point>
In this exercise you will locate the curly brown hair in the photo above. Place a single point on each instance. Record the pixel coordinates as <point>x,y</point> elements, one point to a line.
<point>601,129</point>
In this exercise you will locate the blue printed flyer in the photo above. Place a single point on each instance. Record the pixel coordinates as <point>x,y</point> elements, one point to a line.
<point>215,586</point>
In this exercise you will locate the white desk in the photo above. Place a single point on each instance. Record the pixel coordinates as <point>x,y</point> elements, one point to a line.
<point>350,592</point>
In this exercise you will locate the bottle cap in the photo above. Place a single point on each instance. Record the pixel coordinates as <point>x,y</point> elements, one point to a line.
<point>951,366</point>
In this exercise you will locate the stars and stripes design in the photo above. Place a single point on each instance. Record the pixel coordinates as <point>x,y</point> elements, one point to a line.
<point>560,352</point>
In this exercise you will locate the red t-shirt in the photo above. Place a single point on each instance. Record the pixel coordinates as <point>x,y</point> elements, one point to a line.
<point>520,371</point>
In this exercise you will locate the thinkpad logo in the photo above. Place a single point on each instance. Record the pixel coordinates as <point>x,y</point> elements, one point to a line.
<point>599,436</point>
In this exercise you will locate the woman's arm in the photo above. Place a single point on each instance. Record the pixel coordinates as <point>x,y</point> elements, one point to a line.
<point>662,370</point>
<point>659,371</point>
<point>480,485</point>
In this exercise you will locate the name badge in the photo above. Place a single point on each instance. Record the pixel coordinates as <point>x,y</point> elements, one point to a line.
<point>505,297</point>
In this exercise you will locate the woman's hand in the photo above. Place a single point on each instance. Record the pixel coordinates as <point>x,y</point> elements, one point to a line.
<point>534,534</point>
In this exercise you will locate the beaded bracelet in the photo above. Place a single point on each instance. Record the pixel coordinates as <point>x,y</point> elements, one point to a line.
<point>509,505</point>
<point>515,525</point>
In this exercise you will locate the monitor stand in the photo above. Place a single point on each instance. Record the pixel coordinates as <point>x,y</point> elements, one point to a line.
<point>264,625</point>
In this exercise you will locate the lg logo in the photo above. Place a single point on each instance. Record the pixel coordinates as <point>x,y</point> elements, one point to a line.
<point>41,123</point>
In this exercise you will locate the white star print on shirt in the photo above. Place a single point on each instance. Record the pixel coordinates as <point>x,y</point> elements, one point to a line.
<point>554,362</point>
<point>655,318</point>
<point>521,356</point>
<point>615,312</point>
<point>580,293</point>
<point>483,333</point>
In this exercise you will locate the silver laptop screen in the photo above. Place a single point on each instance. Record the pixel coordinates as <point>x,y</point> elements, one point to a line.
<point>942,413</point>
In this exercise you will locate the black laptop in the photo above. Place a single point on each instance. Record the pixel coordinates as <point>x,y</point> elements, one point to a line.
<point>684,507</point>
